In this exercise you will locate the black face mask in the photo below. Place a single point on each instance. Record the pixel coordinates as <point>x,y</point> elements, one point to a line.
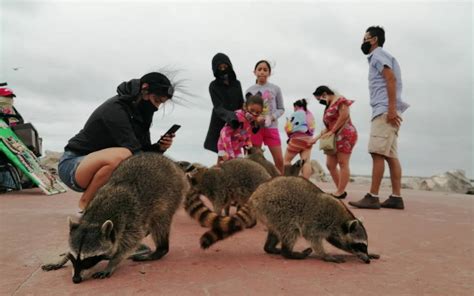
<point>323,102</point>
<point>365,47</point>
<point>223,74</point>
<point>147,110</point>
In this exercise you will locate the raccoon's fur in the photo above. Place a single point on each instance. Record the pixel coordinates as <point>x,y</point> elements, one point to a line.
<point>141,197</point>
<point>293,169</point>
<point>291,207</point>
<point>231,182</point>
<point>256,154</point>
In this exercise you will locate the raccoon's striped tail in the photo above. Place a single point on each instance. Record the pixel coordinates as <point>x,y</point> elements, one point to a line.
<point>236,223</point>
<point>196,208</point>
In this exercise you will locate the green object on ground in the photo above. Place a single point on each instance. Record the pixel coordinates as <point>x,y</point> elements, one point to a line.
<point>27,162</point>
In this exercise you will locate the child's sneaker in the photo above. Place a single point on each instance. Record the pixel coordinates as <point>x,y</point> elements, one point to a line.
<point>368,202</point>
<point>393,202</point>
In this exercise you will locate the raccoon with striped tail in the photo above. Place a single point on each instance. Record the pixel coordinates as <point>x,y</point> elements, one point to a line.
<point>141,198</point>
<point>291,207</point>
<point>233,181</point>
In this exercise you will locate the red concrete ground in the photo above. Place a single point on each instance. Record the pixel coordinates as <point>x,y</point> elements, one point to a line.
<point>426,249</point>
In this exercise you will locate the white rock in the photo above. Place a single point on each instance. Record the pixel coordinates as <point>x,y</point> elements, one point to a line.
<point>451,181</point>
<point>318,174</point>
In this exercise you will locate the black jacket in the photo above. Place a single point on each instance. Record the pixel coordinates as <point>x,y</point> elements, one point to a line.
<point>118,122</point>
<point>225,99</point>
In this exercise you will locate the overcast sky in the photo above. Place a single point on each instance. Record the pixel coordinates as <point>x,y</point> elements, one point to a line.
<point>71,55</point>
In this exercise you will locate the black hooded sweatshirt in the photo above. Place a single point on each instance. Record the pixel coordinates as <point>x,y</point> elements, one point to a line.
<point>118,122</point>
<point>225,99</point>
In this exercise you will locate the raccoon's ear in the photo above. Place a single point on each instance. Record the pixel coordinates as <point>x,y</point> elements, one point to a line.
<point>72,224</point>
<point>189,168</point>
<point>107,230</point>
<point>349,226</point>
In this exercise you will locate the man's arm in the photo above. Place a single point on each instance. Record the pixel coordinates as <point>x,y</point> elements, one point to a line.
<point>391,81</point>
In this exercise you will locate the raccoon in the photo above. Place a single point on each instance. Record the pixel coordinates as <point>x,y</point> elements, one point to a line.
<point>141,197</point>
<point>291,207</point>
<point>187,166</point>
<point>293,169</point>
<point>233,181</point>
<point>256,154</point>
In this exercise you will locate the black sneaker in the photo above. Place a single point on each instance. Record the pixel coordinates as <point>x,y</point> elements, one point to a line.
<point>368,202</point>
<point>393,202</point>
<point>342,196</point>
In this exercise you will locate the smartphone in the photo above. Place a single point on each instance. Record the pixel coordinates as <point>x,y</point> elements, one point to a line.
<point>172,130</point>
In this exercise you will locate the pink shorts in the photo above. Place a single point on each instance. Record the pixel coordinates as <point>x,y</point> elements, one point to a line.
<point>267,136</point>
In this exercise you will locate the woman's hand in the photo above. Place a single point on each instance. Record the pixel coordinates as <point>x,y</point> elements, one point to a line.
<point>166,142</point>
<point>314,140</point>
<point>327,134</point>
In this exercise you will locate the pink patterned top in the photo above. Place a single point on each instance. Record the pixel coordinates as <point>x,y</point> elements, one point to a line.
<point>231,141</point>
<point>346,137</point>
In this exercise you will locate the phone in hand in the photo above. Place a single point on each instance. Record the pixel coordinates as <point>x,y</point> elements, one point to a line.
<point>172,130</point>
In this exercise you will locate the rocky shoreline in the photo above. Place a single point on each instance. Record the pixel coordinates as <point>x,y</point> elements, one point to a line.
<point>450,181</point>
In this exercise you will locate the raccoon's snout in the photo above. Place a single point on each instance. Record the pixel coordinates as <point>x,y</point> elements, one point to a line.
<point>76,279</point>
<point>364,257</point>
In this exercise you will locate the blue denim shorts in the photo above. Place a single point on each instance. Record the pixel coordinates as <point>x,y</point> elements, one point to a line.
<point>67,169</point>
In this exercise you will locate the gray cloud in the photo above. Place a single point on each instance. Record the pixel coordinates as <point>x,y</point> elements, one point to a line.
<point>74,54</point>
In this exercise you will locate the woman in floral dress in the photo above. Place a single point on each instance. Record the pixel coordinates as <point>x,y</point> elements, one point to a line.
<point>337,121</point>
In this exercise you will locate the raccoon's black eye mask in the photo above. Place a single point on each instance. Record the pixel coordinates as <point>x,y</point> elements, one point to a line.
<point>87,263</point>
<point>359,248</point>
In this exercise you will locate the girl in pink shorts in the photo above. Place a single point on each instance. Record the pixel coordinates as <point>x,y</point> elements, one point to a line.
<point>273,108</point>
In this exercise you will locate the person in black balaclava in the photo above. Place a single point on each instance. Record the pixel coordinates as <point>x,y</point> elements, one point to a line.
<point>226,96</point>
<point>117,129</point>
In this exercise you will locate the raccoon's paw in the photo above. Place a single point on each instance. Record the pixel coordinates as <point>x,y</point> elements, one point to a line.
<point>374,256</point>
<point>141,257</point>
<point>141,250</point>
<point>330,258</point>
<point>49,267</point>
<point>102,274</point>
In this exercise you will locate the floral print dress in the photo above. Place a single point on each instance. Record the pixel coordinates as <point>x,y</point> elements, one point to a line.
<point>346,136</point>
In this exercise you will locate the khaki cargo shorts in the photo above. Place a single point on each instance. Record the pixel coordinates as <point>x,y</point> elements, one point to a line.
<point>383,137</point>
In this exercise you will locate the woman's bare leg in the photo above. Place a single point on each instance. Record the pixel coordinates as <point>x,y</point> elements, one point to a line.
<point>95,170</point>
<point>344,172</point>
<point>331,163</point>
<point>277,155</point>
